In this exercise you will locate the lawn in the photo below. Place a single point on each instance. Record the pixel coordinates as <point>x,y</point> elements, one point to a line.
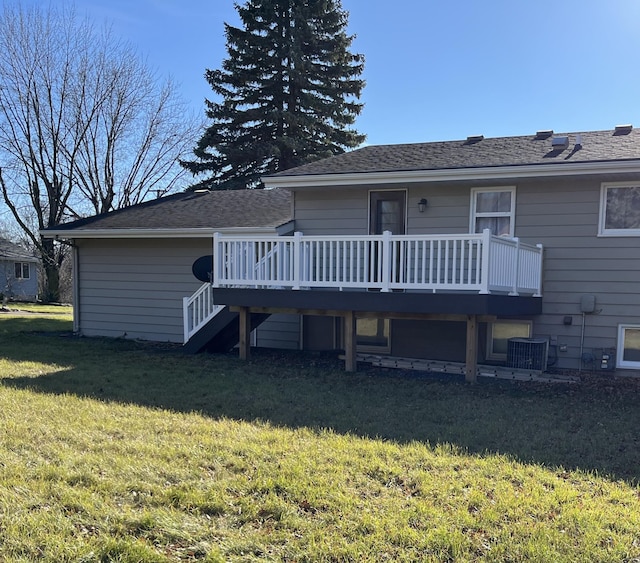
<point>113,450</point>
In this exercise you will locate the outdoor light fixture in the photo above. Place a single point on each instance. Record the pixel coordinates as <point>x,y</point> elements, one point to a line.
<point>422,205</point>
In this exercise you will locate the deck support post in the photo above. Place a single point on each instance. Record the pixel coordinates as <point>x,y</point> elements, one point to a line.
<point>244,317</point>
<point>471,364</point>
<point>350,341</point>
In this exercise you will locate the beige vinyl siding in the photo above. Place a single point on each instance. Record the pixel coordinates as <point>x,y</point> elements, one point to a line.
<point>345,211</point>
<point>562,214</point>
<point>134,288</point>
<point>332,212</point>
<point>279,331</point>
<point>447,210</point>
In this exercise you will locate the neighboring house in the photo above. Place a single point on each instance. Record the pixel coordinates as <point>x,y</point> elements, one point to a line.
<point>468,251</point>
<point>18,272</point>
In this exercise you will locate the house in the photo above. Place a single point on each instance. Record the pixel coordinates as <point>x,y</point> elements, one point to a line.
<point>516,250</point>
<point>133,267</point>
<point>18,272</point>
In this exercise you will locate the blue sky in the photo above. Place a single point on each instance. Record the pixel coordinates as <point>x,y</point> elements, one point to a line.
<point>435,70</point>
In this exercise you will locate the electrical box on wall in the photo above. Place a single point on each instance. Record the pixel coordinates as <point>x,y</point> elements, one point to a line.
<point>606,359</point>
<point>587,303</point>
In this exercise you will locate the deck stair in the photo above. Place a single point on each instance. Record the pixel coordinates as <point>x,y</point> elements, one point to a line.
<point>221,333</point>
<point>210,327</point>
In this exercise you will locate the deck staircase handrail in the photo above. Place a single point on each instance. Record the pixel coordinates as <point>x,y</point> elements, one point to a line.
<point>198,310</point>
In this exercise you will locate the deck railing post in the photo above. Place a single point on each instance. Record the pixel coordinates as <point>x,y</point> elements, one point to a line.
<point>386,260</point>
<point>485,266</point>
<point>217,261</point>
<point>185,319</point>
<point>538,293</point>
<point>251,273</point>
<point>516,269</point>
<point>297,259</point>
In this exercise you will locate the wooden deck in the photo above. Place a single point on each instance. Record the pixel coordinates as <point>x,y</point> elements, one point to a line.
<point>469,278</point>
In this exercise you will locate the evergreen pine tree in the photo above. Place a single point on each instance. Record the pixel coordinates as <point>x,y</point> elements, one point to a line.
<point>288,90</point>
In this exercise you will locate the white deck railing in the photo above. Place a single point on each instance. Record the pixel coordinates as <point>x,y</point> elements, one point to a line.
<point>481,263</point>
<point>198,310</point>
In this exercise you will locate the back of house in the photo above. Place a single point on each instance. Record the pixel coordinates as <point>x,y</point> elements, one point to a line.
<point>518,250</point>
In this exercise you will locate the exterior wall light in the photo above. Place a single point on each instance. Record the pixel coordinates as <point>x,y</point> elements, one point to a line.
<point>422,205</point>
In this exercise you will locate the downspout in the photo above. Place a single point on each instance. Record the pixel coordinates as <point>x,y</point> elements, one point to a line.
<point>76,288</point>
<point>584,316</point>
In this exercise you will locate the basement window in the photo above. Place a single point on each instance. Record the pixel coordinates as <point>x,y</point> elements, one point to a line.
<point>629,346</point>
<point>498,334</point>
<point>373,335</point>
<point>493,209</point>
<point>619,210</point>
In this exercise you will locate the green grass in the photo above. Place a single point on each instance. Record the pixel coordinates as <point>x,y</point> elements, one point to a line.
<point>113,450</point>
<point>40,308</point>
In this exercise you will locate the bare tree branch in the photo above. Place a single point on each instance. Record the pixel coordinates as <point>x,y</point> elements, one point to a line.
<point>85,126</point>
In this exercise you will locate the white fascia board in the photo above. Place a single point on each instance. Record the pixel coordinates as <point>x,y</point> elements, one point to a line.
<point>31,259</point>
<point>154,233</point>
<point>452,174</point>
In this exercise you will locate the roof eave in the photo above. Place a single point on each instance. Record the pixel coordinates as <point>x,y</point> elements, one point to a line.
<point>14,258</point>
<point>453,174</point>
<point>152,233</point>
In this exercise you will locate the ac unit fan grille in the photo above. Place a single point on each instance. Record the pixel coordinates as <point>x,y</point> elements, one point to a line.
<point>527,353</point>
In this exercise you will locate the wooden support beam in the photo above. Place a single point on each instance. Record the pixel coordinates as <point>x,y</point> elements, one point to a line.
<point>423,316</point>
<point>350,361</point>
<point>366,314</point>
<point>471,364</point>
<point>290,311</point>
<point>244,343</point>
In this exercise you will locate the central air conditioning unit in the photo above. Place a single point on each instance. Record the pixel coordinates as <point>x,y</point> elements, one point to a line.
<point>528,353</point>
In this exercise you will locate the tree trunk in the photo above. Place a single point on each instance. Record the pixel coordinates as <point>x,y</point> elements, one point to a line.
<point>51,293</point>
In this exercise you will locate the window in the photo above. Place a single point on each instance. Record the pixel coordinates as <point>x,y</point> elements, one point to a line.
<point>620,210</point>
<point>493,209</point>
<point>22,271</point>
<point>629,346</point>
<point>498,334</point>
<point>372,335</point>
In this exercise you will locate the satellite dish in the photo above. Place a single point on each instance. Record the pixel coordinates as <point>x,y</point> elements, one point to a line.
<point>203,268</point>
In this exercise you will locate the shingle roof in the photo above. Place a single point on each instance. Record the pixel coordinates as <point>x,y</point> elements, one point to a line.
<point>12,251</point>
<point>192,210</point>
<point>596,146</point>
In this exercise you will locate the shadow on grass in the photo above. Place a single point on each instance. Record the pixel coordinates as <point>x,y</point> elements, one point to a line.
<point>594,425</point>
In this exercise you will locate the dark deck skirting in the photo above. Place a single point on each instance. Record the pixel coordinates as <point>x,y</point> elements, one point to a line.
<point>379,302</point>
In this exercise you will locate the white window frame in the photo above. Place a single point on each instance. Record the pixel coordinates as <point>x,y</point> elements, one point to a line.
<point>620,362</point>
<point>22,265</point>
<point>490,354</point>
<point>602,228</point>
<point>473,215</point>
